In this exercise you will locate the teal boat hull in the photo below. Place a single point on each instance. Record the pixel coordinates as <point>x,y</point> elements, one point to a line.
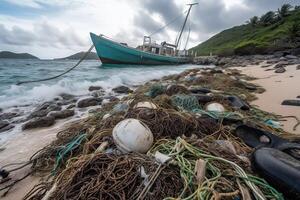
<point>111,52</point>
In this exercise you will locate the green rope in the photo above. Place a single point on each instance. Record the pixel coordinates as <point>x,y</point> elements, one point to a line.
<point>185,102</point>
<point>66,149</point>
<point>185,158</point>
<point>155,90</point>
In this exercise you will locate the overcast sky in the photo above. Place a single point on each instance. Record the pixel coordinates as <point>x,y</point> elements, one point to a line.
<point>57,28</point>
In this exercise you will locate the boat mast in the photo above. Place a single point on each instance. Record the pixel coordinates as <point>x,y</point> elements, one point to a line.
<point>187,15</point>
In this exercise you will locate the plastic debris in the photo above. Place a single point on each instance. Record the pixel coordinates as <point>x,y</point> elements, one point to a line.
<point>145,104</point>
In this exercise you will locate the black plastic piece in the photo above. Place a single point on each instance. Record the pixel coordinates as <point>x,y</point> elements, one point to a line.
<point>279,169</point>
<point>199,90</point>
<point>236,102</point>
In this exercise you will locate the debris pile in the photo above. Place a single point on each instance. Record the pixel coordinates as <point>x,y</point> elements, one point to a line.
<point>196,151</point>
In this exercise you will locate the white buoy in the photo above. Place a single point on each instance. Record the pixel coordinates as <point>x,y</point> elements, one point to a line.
<point>132,135</point>
<point>145,104</point>
<point>215,107</point>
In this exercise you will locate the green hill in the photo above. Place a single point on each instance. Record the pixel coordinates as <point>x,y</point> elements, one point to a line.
<point>77,56</point>
<point>11,55</point>
<point>280,34</point>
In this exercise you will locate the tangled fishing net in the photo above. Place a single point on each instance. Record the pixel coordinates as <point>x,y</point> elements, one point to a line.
<point>212,177</point>
<point>171,123</point>
<point>107,176</point>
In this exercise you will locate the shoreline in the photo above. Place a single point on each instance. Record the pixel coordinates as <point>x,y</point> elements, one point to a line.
<point>47,135</point>
<point>279,87</point>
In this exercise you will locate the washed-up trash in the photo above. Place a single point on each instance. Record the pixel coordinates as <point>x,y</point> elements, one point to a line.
<point>215,107</point>
<point>280,169</point>
<point>190,78</point>
<point>226,145</point>
<point>155,90</point>
<point>185,102</point>
<point>203,98</point>
<point>291,102</point>
<point>161,158</point>
<point>176,89</point>
<point>254,137</point>
<point>236,102</point>
<point>120,107</point>
<point>132,135</point>
<point>107,115</point>
<point>109,176</point>
<point>199,90</point>
<point>145,104</point>
<point>272,123</point>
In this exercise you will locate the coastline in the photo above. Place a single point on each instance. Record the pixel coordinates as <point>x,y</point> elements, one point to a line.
<point>279,87</point>
<point>268,101</point>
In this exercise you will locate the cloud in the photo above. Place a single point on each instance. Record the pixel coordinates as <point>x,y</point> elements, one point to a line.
<point>43,34</point>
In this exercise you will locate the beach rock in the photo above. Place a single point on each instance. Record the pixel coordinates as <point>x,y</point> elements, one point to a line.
<point>62,114</point>
<point>43,106</point>
<point>291,57</point>
<point>38,113</point>
<point>291,102</point>
<point>113,98</point>
<point>66,96</point>
<point>273,61</point>
<point>279,54</point>
<point>93,88</point>
<point>8,115</point>
<point>98,93</point>
<point>298,67</point>
<point>39,122</point>
<point>91,101</point>
<point>122,90</point>
<point>281,64</point>
<point>280,70</point>
<point>3,124</point>
<point>6,127</point>
<point>44,109</point>
<point>71,106</point>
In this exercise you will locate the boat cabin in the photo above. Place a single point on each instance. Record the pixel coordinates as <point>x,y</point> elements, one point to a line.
<point>161,49</point>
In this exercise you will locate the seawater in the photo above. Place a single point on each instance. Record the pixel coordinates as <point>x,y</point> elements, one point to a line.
<point>25,97</point>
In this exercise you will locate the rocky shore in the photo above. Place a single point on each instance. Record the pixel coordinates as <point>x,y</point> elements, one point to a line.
<point>61,107</point>
<point>201,108</point>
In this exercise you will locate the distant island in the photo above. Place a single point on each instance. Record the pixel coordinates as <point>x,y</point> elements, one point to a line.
<point>274,31</point>
<point>11,55</point>
<point>77,56</point>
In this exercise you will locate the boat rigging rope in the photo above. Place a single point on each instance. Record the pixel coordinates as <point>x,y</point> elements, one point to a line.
<point>54,77</point>
<point>172,21</point>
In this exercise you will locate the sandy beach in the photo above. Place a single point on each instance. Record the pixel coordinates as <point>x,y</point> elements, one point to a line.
<point>279,87</point>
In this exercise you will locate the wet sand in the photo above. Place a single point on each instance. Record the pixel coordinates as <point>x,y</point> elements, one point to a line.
<point>20,149</point>
<point>279,86</point>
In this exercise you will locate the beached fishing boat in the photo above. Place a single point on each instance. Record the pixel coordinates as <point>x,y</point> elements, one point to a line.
<point>150,53</point>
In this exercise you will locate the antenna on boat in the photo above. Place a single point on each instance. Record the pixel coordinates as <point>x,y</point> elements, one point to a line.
<point>184,23</point>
